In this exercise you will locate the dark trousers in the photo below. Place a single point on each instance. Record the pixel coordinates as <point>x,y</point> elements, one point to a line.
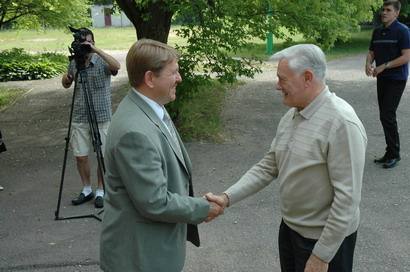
<point>389,93</point>
<point>295,250</point>
<point>2,145</point>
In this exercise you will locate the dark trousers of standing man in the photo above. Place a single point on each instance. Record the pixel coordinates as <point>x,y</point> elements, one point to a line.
<point>2,145</point>
<point>389,92</point>
<point>295,250</point>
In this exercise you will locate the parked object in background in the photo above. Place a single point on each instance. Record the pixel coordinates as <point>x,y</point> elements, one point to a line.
<point>2,149</point>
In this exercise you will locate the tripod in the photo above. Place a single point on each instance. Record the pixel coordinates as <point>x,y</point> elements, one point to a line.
<point>81,74</point>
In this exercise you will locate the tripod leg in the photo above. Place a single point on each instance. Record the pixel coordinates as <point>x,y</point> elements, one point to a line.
<point>62,180</point>
<point>67,141</point>
<point>100,174</point>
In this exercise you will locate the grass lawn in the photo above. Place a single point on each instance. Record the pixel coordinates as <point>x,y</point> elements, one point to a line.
<point>58,40</point>
<point>359,43</point>
<point>8,96</point>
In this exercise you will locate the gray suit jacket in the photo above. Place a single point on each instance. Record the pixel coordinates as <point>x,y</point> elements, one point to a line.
<point>148,200</point>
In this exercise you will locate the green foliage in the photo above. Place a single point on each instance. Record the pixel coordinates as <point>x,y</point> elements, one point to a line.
<point>324,22</point>
<point>404,12</point>
<point>212,35</point>
<point>28,14</point>
<point>102,2</point>
<point>357,44</point>
<point>199,117</point>
<point>8,96</point>
<point>217,30</point>
<point>16,64</point>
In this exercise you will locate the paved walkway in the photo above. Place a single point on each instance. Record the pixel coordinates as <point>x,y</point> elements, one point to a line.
<point>244,239</point>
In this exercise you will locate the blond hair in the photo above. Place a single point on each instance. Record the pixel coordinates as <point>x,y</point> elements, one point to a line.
<point>148,55</point>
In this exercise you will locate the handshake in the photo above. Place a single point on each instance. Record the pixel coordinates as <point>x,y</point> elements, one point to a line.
<point>217,203</point>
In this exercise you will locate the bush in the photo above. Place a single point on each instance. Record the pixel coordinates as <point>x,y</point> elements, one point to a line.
<point>16,64</point>
<point>200,116</point>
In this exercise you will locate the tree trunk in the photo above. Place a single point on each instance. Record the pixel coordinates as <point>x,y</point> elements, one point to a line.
<point>152,21</point>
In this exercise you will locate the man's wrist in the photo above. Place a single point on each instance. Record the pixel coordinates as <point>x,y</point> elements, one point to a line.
<point>226,199</point>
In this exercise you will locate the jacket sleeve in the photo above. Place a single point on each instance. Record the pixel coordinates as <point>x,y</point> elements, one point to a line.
<point>256,178</point>
<point>346,158</point>
<point>143,172</point>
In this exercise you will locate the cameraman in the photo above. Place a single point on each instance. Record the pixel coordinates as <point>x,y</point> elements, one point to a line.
<point>99,66</point>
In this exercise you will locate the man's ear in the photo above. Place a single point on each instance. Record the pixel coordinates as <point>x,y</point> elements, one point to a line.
<point>149,79</point>
<point>308,76</point>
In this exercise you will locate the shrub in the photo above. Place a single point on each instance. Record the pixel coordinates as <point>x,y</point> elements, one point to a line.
<point>16,64</point>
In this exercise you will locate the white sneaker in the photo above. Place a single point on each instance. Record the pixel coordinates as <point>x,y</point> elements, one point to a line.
<point>1,188</point>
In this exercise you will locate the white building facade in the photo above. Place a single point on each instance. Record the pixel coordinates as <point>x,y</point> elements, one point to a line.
<point>102,17</point>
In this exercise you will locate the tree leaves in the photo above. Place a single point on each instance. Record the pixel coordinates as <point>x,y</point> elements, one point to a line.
<point>217,29</point>
<point>43,13</point>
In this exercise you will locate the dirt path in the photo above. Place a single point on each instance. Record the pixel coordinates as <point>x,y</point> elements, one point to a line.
<point>244,239</point>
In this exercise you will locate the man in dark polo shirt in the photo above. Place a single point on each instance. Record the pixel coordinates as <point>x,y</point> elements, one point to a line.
<point>390,48</point>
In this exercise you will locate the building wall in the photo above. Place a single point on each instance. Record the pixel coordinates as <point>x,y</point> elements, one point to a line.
<point>117,20</point>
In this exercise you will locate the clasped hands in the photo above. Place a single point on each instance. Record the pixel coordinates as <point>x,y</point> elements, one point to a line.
<point>374,71</point>
<point>217,204</point>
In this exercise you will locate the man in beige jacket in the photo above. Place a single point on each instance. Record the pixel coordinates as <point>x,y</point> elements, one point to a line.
<point>317,157</point>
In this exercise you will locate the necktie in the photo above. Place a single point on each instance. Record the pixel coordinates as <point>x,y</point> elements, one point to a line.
<point>168,122</point>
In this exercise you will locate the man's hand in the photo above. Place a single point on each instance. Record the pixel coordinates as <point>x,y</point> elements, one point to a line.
<point>214,211</point>
<point>91,44</point>
<point>379,69</point>
<point>369,69</point>
<point>222,199</point>
<point>218,204</point>
<point>67,80</point>
<point>314,264</point>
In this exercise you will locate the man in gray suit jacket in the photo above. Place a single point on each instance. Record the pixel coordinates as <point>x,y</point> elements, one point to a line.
<point>150,210</point>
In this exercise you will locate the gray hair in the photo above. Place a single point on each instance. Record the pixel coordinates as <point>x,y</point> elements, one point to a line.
<point>302,57</point>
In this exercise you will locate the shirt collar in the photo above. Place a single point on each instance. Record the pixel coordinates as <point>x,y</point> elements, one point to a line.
<point>93,58</point>
<point>308,112</point>
<point>157,108</point>
<point>391,25</point>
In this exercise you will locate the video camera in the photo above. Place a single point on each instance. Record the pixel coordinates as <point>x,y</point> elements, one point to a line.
<point>78,50</point>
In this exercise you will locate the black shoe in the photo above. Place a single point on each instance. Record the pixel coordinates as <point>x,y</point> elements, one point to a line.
<point>82,199</point>
<point>99,202</point>
<point>390,163</point>
<point>381,159</point>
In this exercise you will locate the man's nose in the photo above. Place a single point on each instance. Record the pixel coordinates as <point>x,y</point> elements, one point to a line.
<point>179,78</point>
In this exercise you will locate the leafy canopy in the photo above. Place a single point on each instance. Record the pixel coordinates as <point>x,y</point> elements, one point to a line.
<point>43,13</point>
<point>215,30</point>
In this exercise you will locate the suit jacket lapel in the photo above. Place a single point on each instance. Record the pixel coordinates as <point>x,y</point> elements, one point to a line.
<point>183,158</point>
